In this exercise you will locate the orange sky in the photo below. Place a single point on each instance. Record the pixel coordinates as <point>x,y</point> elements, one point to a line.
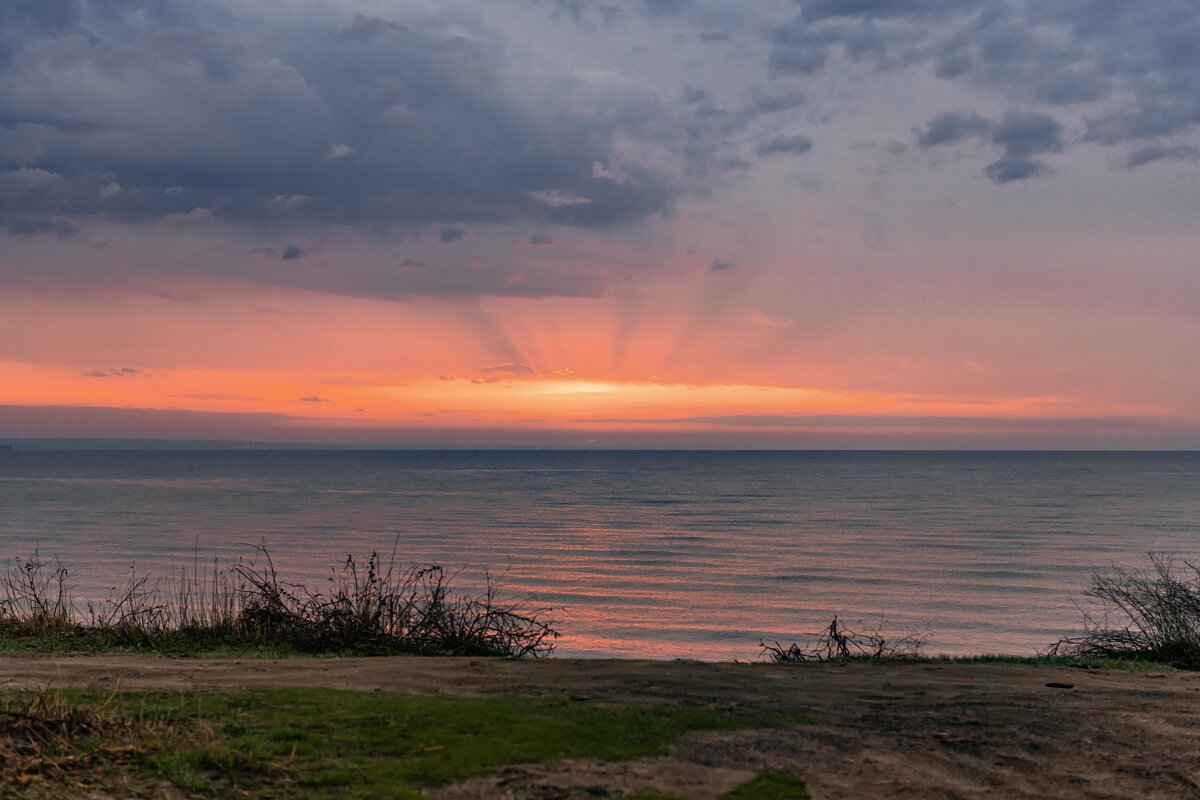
<point>654,360</point>
<point>668,224</point>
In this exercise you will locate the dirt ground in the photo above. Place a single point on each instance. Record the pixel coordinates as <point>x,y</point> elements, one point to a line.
<point>898,731</point>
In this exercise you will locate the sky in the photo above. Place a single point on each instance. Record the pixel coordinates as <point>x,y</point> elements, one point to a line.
<point>626,223</point>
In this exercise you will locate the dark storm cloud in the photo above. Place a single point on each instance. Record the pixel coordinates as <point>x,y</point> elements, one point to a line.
<point>304,118</point>
<point>790,145</point>
<point>290,253</point>
<point>449,235</point>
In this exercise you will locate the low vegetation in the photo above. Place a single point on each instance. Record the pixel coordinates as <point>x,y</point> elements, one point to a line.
<point>380,609</point>
<point>837,642</point>
<point>1143,615</point>
<point>314,743</point>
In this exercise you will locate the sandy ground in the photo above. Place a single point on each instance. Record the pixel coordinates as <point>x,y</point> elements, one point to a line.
<point>900,731</point>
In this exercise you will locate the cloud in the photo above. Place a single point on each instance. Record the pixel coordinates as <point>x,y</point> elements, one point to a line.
<point>789,145</point>
<point>290,253</point>
<point>761,104</point>
<point>759,317</point>
<point>187,105</point>
<point>952,127</point>
<point>557,198</point>
<point>1020,134</point>
<point>25,178</point>
<point>885,9</point>
<point>1135,67</point>
<point>217,396</point>
<point>540,240</point>
<point>312,398</point>
<point>452,234</point>
<point>1158,152</point>
<point>1024,134</point>
<point>195,215</point>
<point>26,226</point>
<point>511,368</point>
<point>364,28</point>
<point>287,202</point>
<point>1007,170</point>
<point>720,265</point>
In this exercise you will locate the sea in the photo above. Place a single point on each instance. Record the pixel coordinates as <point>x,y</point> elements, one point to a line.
<point>682,554</point>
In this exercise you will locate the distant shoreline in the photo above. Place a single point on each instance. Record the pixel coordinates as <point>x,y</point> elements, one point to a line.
<point>232,446</point>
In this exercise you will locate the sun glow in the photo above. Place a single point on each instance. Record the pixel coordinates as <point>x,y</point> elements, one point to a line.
<point>561,400</point>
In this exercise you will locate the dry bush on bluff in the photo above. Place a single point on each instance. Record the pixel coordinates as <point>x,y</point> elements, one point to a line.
<point>839,642</point>
<point>1151,615</point>
<point>37,598</point>
<point>383,608</point>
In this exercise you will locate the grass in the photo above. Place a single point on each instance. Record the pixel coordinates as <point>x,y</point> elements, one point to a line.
<point>1080,662</point>
<point>319,743</point>
<point>376,608</point>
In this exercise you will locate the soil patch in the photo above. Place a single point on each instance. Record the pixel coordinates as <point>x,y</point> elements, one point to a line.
<point>890,731</point>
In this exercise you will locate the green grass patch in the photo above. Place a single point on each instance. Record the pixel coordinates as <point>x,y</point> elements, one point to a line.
<point>320,743</point>
<point>176,645</point>
<point>770,786</point>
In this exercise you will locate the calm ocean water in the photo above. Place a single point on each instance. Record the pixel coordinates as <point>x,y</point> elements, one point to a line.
<point>655,554</point>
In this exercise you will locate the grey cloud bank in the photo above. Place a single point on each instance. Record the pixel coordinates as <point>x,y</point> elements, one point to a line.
<point>137,109</point>
<point>539,121</point>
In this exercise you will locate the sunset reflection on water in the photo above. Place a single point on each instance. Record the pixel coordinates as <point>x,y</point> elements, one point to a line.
<point>656,555</point>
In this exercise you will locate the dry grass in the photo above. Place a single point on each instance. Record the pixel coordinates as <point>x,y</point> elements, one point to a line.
<point>43,736</point>
<point>379,608</point>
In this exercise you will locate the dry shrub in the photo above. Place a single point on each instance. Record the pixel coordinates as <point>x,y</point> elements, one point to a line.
<point>388,608</point>
<point>36,598</point>
<point>838,642</point>
<point>1151,615</point>
<point>384,608</point>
